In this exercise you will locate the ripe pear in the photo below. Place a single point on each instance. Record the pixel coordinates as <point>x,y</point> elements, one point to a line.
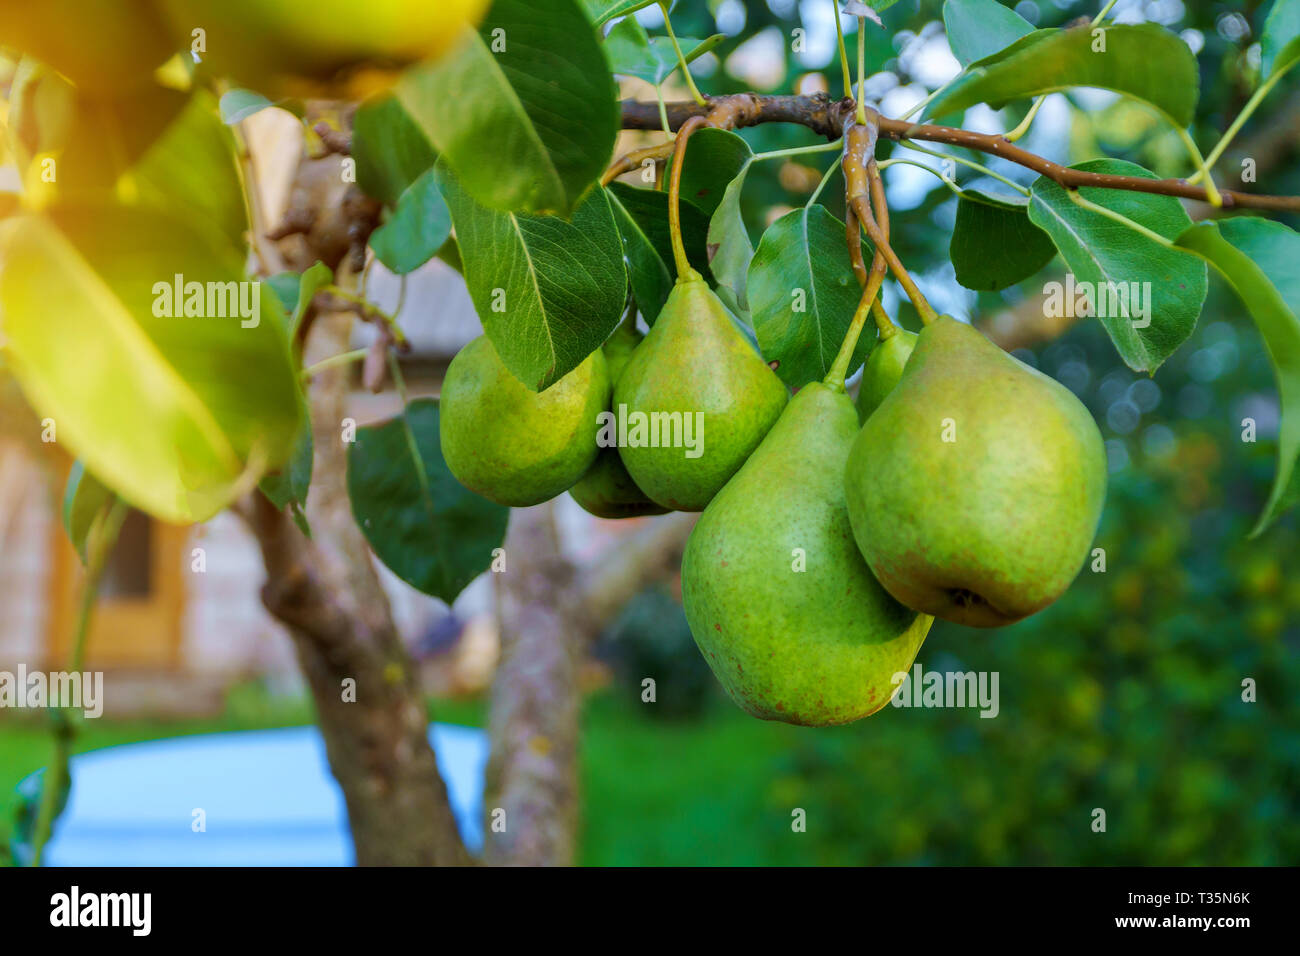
<point>607,490</point>
<point>976,487</point>
<point>693,361</point>
<point>883,369</point>
<point>511,445</point>
<point>778,597</point>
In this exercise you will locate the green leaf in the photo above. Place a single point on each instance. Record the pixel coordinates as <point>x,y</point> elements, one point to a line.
<point>295,291</point>
<point>712,179</point>
<point>1280,45</point>
<point>633,52</point>
<point>804,293</point>
<point>714,158</point>
<point>175,413</point>
<point>1113,257</point>
<point>1142,60</point>
<point>390,150</point>
<point>427,529</point>
<point>602,11</point>
<point>288,487</point>
<point>525,111</point>
<point>642,216</point>
<point>416,230</point>
<point>84,499</point>
<point>994,244</point>
<point>548,290</point>
<point>980,28</point>
<point>238,105</point>
<point>1258,259</point>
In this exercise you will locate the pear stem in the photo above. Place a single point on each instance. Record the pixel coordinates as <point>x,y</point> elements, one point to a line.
<point>840,367</point>
<point>844,55</point>
<point>684,271</point>
<point>863,208</point>
<point>681,57</point>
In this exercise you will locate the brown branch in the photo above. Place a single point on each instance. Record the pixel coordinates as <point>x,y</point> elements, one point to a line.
<point>826,117</point>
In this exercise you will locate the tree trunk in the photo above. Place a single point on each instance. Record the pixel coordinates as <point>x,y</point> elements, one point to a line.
<point>532,780</point>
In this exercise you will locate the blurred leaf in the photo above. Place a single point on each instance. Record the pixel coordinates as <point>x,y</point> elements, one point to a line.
<point>84,500</point>
<point>295,291</point>
<point>176,414</point>
<point>803,295</point>
<point>390,150</point>
<point>288,487</point>
<point>642,216</point>
<point>1258,258</point>
<point>1142,60</point>
<point>602,11</point>
<point>239,105</point>
<point>416,230</point>
<point>980,28</point>
<point>633,52</point>
<point>1101,251</point>
<point>994,245</point>
<point>527,117</point>
<point>1280,44</point>
<point>548,290</point>
<point>427,529</point>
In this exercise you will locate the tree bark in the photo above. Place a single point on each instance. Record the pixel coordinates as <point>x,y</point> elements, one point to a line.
<point>327,592</point>
<point>532,780</point>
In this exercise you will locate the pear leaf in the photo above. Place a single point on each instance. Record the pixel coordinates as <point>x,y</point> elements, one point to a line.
<point>525,110</point>
<point>804,293</point>
<point>548,290</point>
<point>602,11</point>
<point>84,499</point>
<point>416,230</point>
<point>633,52</point>
<point>1146,294</point>
<point>1257,257</point>
<point>987,222</point>
<point>98,338</point>
<point>428,529</point>
<point>730,247</point>
<point>642,216</point>
<point>1143,61</point>
<point>238,105</point>
<point>980,28</point>
<point>391,152</point>
<point>1280,45</point>
<point>714,158</point>
<point>288,487</point>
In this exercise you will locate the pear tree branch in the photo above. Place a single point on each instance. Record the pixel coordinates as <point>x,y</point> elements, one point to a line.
<point>827,117</point>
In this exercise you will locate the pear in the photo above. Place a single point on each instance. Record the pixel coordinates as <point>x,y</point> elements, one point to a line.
<point>778,597</point>
<point>698,399</point>
<point>511,445</point>
<point>976,487</point>
<point>883,369</point>
<point>607,490</point>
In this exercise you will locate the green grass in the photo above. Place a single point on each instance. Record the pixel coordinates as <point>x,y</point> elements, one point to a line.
<point>654,791</point>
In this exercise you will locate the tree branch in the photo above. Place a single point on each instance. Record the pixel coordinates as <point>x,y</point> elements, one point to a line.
<point>827,117</point>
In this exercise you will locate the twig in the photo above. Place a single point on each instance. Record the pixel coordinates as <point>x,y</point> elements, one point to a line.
<point>820,114</point>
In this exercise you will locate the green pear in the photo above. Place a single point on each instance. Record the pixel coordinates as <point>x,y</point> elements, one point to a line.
<point>883,369</point>
<point>976,487</point>
<point>778,597</point>
<point>697,398</point>
<point>607,490</point>
<point>511,445</point>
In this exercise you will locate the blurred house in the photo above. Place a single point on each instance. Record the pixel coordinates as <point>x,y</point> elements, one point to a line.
<point>183,604</point>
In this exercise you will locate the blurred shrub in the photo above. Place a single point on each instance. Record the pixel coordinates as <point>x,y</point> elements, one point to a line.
<point>650,638</point>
